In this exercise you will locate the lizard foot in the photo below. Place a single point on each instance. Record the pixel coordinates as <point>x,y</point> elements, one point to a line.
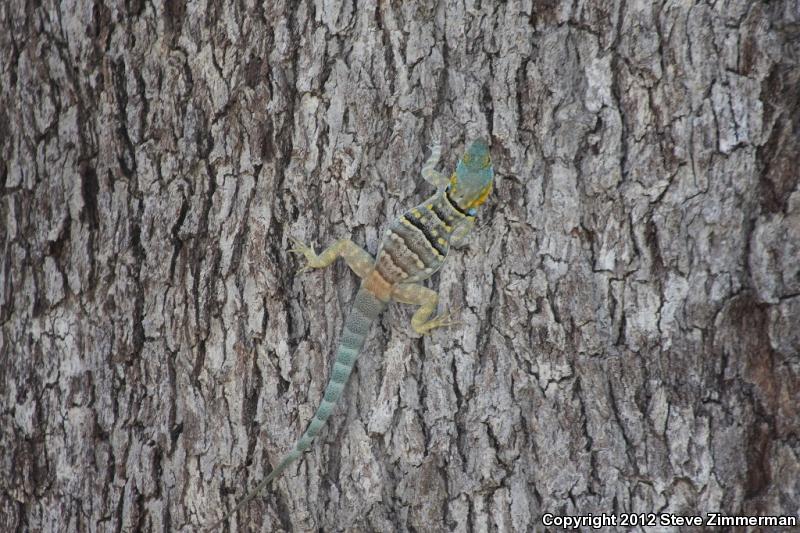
<point>441,321</point>
<point>308,252</point>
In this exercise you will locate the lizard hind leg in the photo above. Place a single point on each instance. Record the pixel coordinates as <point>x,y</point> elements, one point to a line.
<point>427,299</point>
<point>358,259</point>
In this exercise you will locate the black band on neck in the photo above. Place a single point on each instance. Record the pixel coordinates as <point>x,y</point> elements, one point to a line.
<point>453,204</point>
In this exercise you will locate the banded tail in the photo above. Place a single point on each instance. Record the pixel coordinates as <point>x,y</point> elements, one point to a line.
<point>365,310</point>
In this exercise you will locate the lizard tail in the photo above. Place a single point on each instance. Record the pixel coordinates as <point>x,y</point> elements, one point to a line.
<point>365,310</point>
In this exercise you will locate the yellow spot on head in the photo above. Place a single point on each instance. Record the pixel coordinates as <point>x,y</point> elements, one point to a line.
<point>416,213</point>
<point>441,241</point>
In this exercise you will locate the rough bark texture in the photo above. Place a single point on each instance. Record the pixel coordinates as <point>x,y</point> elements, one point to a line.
<point>630,304</point>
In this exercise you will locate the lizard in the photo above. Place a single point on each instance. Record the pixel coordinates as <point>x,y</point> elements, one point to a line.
<point>412,249</point>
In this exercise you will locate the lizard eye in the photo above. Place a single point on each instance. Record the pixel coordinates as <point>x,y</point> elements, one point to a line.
<point>472,212</point>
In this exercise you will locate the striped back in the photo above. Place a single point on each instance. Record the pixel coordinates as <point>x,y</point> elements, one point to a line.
<point>416,244</point>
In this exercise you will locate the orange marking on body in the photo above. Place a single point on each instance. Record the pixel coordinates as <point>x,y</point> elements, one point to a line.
<point>482,197</point>
<point>378,286</point>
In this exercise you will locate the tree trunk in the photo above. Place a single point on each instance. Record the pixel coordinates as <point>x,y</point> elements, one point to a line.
<point>630,302</point>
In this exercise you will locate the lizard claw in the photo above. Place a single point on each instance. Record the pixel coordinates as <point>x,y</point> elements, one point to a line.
<point>299,247</point>
<point>306,251</point>
<point>448,319</point>
<point>441,321</point>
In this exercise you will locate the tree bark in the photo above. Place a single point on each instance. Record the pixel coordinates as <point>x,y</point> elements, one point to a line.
<point>630,302</point>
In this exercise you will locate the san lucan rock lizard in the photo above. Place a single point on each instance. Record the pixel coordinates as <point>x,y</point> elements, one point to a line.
<point>413,248</point>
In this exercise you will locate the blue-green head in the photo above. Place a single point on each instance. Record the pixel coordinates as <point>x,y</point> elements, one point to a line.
<point>471,183</point>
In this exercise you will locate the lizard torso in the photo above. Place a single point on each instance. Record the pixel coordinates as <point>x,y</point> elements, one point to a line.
<point>413,248</point>
<point>415,245</point>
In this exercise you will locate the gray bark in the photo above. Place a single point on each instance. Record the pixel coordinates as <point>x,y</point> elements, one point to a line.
<point>630,301</point>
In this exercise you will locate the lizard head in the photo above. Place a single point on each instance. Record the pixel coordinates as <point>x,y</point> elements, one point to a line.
<point>471,183</point>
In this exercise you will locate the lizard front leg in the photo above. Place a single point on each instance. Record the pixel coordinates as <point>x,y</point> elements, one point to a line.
<point>459,236</point>
<point>429,171</point>
<point>414,294</point>
<point>358,259</point>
